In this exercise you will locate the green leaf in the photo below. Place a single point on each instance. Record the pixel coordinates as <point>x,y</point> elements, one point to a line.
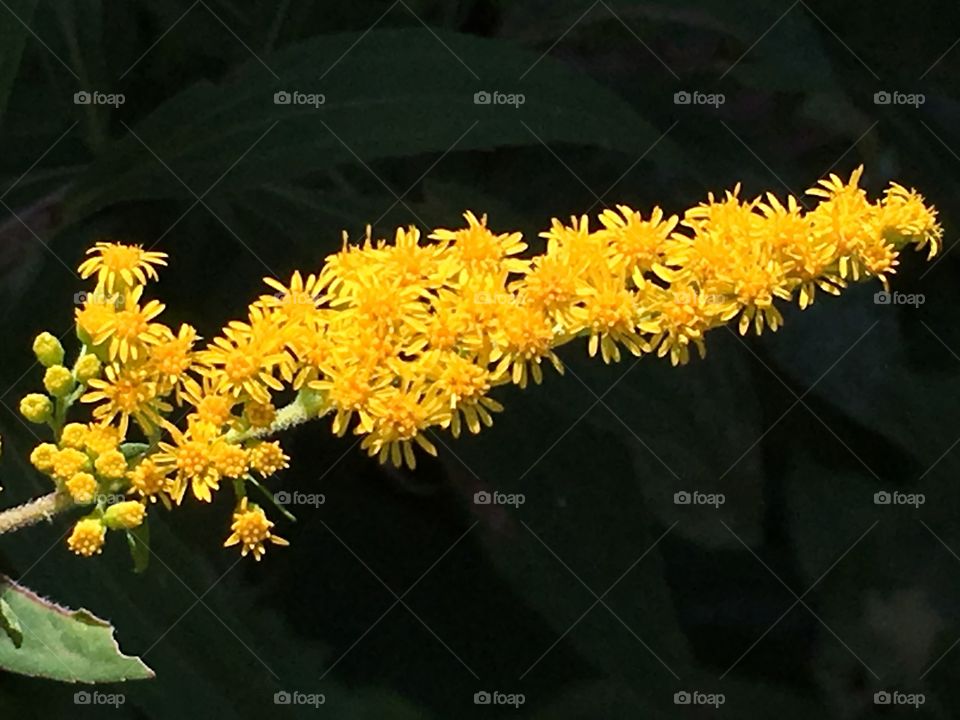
<point>10,624</point>
<point>139,541</point>
<point>397,93</point>
<point>60,644</point>
<point>14,22</point>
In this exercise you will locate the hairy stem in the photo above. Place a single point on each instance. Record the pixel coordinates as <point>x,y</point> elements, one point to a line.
<point>42,508</point>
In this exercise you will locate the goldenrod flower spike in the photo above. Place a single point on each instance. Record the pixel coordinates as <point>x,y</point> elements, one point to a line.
<point>401,340</point>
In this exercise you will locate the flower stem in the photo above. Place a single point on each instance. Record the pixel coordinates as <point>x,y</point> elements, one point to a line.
<point>41,508</point>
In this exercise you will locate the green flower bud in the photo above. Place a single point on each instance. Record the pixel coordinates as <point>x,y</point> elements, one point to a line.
<point>48,349</point>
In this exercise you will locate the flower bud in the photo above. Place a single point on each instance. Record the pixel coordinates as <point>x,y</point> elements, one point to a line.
<point>124,515</point>
<point>36,408</point>
<point>58,381</point>
<point>87,537</point>
<point>88,367</point>
<point>48,349</point>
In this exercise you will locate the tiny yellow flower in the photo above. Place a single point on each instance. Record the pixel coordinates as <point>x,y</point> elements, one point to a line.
<point>267,458</point>
<point>119,267</point>
<point>48,350</point>
<point>87,537</point>
<point>43,455</point>
<point>111,465</point>
<point>124,515</point>
<point>251,528</point>
<point>74,435</point>
<point>82,488</point>
<point>101,438</point>
<point>58,381</point>
<point>149,480</point>
<point>36,408</point>
<point>88,367</point>
<point>68,462</point>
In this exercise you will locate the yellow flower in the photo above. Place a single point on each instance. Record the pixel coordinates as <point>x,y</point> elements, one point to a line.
<point>87,537</point>
<point>101,439</point>
<point>124,515</point>
<point>68,462</point>
<point>393,420</point>
<point>150,481</point>
<point>129,330</point>
<point>119,267</point>
<point>635,243</point>
<point>297,302</point>
<point>112,465</point>
<point>43,455</point>
<point>172,357</point>
<point>267,458</point>
<point>193,457</point>
<point>525,338</point>
<point>251,528</point>
<point>478,250</point>
<point>242,362</point>
<point>126,392</point>
<point>36,408</point>
<point>463,386</point>
<point>82,488</point>
<point>230,460</point>
<point>74,435</point>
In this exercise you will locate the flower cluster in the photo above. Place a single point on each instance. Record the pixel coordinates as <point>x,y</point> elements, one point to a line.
<point>399,340</point>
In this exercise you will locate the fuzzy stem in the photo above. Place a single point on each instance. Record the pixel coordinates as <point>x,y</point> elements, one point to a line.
<point>42,508</point>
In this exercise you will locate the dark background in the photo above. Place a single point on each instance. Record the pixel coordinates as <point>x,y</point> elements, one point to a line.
<point>797,429</point>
